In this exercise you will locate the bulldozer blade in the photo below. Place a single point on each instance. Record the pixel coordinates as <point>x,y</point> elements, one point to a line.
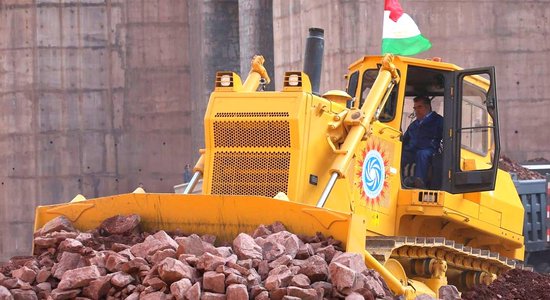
<point>222,216</point>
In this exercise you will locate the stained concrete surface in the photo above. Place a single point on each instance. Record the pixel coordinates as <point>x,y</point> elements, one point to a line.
<point>100,96</point>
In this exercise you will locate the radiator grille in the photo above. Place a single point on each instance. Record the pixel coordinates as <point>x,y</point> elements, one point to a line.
<point>251,134</point>
<point>250,173</point>
<point>283,114</point>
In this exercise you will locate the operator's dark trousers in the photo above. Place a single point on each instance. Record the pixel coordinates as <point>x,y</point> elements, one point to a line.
<point>421,158</point>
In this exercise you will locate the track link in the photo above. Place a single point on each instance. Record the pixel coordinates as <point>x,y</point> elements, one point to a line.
<point>456,255</point>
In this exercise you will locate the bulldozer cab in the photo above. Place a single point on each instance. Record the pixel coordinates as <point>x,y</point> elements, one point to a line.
<point>465,160</point>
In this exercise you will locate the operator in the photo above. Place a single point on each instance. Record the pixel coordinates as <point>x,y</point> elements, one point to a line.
<point>421,140</point>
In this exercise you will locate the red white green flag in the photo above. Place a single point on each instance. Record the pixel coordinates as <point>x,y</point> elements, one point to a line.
<point>400,34</point>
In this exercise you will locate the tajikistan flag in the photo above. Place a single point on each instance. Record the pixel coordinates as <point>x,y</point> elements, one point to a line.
<point>400,34</point>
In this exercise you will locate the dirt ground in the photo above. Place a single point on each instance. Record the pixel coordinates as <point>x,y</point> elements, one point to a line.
<point>514,284</point>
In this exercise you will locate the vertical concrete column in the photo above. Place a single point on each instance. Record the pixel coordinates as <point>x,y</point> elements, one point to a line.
<point>214,46</point>
<point>256,35</point>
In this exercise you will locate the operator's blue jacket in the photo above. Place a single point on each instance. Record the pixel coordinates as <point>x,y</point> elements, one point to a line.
<point>425,134</point>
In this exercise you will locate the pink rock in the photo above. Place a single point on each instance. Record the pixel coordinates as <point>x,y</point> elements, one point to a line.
<point>231,259</point>
<point>171,270</point>
<point>153,296</point>
<point>24,294</point>
<point>354,296</point>
<point>147,247</point>
<point>261,231</point>
<point>278,294</point>
<point>246,263</point>
<point>227,270</point>
<point>194,292</point>
<point>241,269</point>
<point>117,247</point>
<point>272,250</point>
<point>237,292</point>
<point>264,295</point>
<point>192,244</point>
<point>208,238</point>
<point>281,260</point>
<point>166,240</point>
<point>234,279</point>
<point>323,288</point>
<point>213,282</point>
<point>98,259</point>
<point>209,262</point>
<point>328,252</point>
<point>58,294</point>
<point>277,227</point>
<point>306,294</point>
<point>449,292</point>
<point>278,278</point>
<point>161,255</point>
<point>121,279</point>
<point>353,261</point>
<point>305,251</point>
<point>135,265</point>
<point>179,288</point>
<point>279,269</point>
<point>71,245</point>
<point>253,278</point>
<point>156,283</point>
<point>97,288</point>
<point>189,258</point>
<point>43,287</point>
<point>300,280</point>
<point>245,247</point>
<point>85,237</point>
<point>133,296</point>
<point>58,224</point>
<point>120,224</point>
<point>5,293</point>
<point>369,283</point>
<point>224,251</point>
<point>68,261</point>
<point>45,242</point>
<point>255,290</point>
<point>79,277</point>
<point>213,296</point>
<point>315,268</point>
<point>14,283</point>
<point>342,277</point>
<point>290,241</point>
<point>63,235</point>
<point>114,261</point>
<point>263,269</point>
<point>24,273</point>
<point>127,253</point>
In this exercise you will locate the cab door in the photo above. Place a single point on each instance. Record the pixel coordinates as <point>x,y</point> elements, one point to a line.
<point>473,133</point>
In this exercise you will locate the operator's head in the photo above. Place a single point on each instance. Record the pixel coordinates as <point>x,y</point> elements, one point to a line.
<point>422,107</point>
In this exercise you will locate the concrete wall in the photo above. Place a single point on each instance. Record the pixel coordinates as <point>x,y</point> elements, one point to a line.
<point>100,96</point>
<point>95,98</point>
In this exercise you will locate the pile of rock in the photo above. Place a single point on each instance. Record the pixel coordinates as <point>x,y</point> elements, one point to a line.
<point>118,261</point>
<point>522,173</point>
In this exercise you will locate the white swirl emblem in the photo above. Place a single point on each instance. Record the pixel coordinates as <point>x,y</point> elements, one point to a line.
<point>373,174</point>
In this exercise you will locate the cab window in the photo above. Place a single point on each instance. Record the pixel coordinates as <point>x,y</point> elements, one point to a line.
<point>475,132</point>
<point>351,89</point>
<point>388,112</point>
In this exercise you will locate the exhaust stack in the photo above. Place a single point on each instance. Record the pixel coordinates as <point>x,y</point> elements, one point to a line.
<point>313,58</point>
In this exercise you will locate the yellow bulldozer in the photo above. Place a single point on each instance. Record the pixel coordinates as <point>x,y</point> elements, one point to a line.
<point>332,163</point>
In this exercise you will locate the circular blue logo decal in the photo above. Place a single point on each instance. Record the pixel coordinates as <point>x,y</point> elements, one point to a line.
<point>373,174</point>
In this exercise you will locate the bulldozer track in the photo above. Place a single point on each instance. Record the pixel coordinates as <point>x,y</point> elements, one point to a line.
<point>456,255</point>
